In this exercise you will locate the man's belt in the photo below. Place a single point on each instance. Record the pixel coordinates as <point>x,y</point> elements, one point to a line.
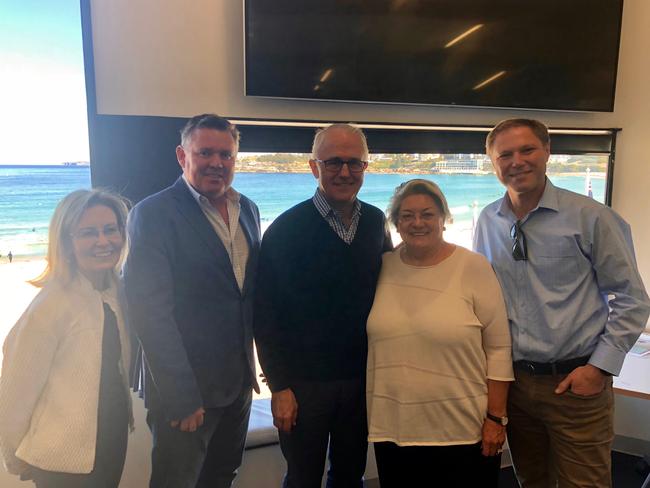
<point>558,367</point>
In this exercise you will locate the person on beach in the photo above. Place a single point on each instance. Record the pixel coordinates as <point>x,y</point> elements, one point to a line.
<point>10,257</point>
<point>65,405</point>
<point>439,355</point>
<point>189,284</point>
<point>576,305</point>
<point>319,264</point>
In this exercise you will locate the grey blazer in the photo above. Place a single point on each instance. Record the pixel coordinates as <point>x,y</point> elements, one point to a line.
<point>193,323</point>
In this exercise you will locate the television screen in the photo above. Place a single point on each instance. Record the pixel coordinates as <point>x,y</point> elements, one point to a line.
<point>535,54</point>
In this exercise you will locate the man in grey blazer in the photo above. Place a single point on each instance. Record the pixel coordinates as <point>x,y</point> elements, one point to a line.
<point>189,282</point>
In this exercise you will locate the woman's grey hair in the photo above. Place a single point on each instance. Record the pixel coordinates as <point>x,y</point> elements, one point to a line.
<point>319,138</point>
<point>61,264</point>
<point>417,187</point>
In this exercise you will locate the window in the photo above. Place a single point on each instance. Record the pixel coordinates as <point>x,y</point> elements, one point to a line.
<point>278,181</point>
<point>44,115</point>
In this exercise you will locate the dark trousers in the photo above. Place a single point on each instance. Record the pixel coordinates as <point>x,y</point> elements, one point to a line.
<point>208,457</point>
<point>459,466</point>
<point>109,461</point>
<point>331,412</point>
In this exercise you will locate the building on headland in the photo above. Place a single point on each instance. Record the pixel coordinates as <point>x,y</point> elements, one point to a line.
<point>76,163</point>
<point>463,163</point>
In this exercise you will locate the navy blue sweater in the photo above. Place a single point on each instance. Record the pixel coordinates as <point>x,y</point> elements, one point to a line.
<point>313,296</point>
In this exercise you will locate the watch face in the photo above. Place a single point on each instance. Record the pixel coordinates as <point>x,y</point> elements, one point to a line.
<point>499,420</point>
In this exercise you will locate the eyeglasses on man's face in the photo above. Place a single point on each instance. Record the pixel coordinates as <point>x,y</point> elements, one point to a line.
<point>519,247</point>
<point>334,165</point>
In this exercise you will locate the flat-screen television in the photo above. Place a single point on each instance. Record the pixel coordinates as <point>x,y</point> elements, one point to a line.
<point>533,54</point>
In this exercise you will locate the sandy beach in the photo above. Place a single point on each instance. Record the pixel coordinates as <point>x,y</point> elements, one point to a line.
<point>16,293</point>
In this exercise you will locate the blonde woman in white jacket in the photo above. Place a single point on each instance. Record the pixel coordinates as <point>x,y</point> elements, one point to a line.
<point>65,407</point>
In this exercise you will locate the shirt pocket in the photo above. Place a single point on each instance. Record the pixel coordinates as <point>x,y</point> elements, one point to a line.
<point>557,266</point>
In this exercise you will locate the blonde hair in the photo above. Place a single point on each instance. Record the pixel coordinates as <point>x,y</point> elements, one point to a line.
<point>61,265</point>
<point>417,186</point>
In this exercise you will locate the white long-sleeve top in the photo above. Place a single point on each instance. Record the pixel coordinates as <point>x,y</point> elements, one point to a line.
<point>49,388</point>
<point>435,336</point>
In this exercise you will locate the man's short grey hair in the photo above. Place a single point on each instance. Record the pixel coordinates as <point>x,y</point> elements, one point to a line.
<point>208,121</point>
<point>538,128</point>
<point>319,138</point>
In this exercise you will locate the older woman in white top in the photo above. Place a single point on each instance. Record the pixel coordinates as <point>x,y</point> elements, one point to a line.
<point>64,400</point>
<point>439,354</point>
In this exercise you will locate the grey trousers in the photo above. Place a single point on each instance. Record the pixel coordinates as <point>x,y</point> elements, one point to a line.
<point>208,457</point>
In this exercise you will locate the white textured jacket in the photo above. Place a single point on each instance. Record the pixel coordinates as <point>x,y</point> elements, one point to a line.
<point>49,388</point>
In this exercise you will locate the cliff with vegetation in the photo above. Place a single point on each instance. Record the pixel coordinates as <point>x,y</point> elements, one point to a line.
<point>415,163</point>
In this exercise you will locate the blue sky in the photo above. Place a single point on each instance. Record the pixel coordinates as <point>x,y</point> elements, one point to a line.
<point>42,88</point>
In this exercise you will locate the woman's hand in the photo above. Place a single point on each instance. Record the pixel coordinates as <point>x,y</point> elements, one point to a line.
<point>494,435</point>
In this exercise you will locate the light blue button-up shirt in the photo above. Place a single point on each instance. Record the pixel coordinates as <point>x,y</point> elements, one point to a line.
<point>579,293</point>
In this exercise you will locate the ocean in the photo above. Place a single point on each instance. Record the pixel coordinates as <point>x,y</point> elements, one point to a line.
<point>29,194</point>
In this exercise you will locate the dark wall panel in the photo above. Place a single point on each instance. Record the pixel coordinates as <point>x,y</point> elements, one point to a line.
<point>134,155</point>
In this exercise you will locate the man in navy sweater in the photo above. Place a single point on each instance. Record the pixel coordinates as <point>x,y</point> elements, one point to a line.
<point>318,269</point>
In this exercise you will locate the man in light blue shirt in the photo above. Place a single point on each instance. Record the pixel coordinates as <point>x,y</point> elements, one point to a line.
<point>576,305</point>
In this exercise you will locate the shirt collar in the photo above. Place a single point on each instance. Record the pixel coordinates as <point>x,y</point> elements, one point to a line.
<point>549,197</point>
<point>549,200</point>
<point>232,194</point>
<point>325,209</point>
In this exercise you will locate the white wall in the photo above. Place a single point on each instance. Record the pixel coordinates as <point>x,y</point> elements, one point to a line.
<point>179,58</point>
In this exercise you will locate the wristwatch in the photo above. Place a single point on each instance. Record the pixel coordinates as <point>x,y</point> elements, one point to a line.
<point>503,421</point>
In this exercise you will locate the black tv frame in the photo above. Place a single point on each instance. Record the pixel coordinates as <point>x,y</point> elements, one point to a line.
<point>532,107</point>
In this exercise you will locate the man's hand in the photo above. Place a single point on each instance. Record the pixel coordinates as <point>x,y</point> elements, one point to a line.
<point>585,380</point>
<point>494,435</point>
<point>285,409</point>
<point>191,422</point>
